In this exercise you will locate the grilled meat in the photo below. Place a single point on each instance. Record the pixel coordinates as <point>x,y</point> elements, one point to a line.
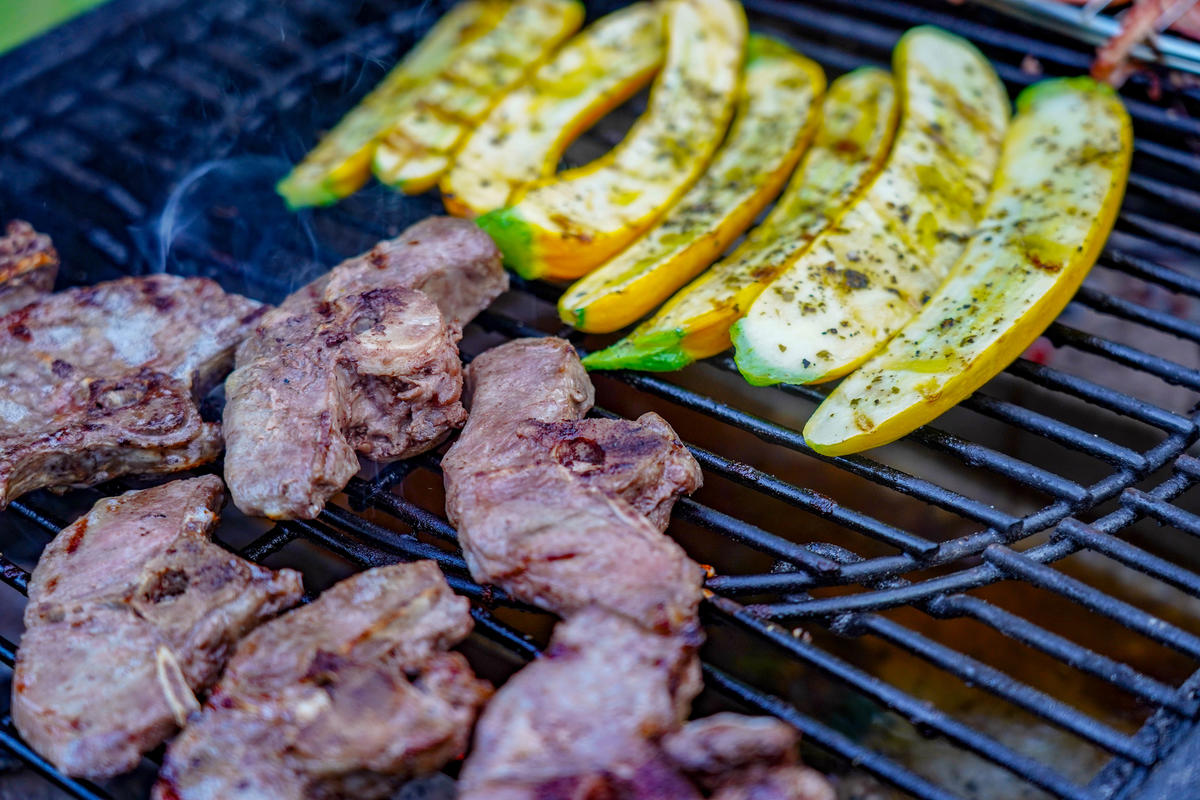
<point>103,381</point>
<point>28,266</point>
<point>546,503</point>
<point>346,697</point>
<point>449,259</point>
<point>376,373</point>
<point>744,758</point>
<point>568,513</point>
<point>132,609</point>
<point>582,721</point>
<point>363,361</point>
<point>600,715</point>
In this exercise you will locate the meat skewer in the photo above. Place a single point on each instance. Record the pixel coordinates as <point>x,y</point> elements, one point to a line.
<point>346,697</point>
<point>362,361</point>
<point>103,381</point>
<point>132,610</point>
<point>567,513</point>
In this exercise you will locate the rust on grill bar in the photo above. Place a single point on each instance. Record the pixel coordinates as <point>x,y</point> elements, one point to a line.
<point>1005,603</point>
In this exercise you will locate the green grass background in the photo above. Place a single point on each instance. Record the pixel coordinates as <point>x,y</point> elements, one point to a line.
<point>24,19</point>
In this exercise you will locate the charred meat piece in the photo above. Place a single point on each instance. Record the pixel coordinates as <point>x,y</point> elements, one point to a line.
<point>744,758</point>
<point>376,373</point>
<point>563,512</point>
<point>449,259</point>
<point>132,609</point>
<point>28,266</point>
<point>600,715</point>
<point>354,364</point>
<point>346,697</point>
<point>583,720</point>
<point>103,381</point>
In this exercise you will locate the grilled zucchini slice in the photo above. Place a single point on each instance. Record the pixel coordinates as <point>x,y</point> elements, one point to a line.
<point>524,136</point>
<point>1058,189</point>
<point>341,162</point>
<point>850,145</point>
<point>868,275</point>
<point>778,112</point>
<point>566,226</point>
<point>419,145</point>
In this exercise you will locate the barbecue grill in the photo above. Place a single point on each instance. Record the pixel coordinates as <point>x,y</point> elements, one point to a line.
<point>1004,604</point>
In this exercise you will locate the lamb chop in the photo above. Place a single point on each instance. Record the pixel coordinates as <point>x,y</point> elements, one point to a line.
<point>103,381</point>
<point>132,610</point>
<point>363,361</point>
<point>568,513</point>
<point>533,491</point>
<point>28,266</point>
<point>346,697</point>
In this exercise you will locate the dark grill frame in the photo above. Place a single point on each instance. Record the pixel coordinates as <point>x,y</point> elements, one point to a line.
<point>96,190</point>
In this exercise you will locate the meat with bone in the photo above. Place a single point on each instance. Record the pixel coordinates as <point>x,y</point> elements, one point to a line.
<point>132,610</point>
<point>546,505</point>
<point>103,381</point>
<point>447,258</point>
<point>346,697</point>
<point>558,510</point>
<point>376,373</point>
<point>363,361</point>
<point>28,266</point>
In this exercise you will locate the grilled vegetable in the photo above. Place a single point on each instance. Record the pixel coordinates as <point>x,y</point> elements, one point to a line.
<point>1058,188</point>
<point>864,278</point>
<point>419,145</point>
<point>341,162</point>
<point>850,145</point>
<point>524,136</point>
<point>565,226</point>
<point>778,112</point>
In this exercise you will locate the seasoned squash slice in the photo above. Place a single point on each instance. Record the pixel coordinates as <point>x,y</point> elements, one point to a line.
<point>565,226</point>
<point>524,136</point>
<point>868,275</point>
<point>1058,188</point>
<point>850,145</point>
<point>778,112</point>
<point>341,162</point>
<point>419,145</point>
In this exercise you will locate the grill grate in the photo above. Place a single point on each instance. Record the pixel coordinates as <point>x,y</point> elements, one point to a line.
<point>1046,484</point>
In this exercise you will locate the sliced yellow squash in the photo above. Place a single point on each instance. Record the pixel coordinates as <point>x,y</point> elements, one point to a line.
<point>868,275</point>
<point>524,136</point>
<point>778,112</point>
<point>341,162</point>
<point>565,226</point>
<point>419,145</point>
<point>1058,188</point>
<point>850,145</point>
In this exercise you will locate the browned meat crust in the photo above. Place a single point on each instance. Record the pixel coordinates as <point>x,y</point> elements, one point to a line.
<point>376,373</point>
<point>102,381</point>
<point>28,265</point>
<point>449,259</point>
<point>582,720</point>
<point>131,610</point>
<point>317,385</point>
<point>346,697</point>
<point>533,491</point>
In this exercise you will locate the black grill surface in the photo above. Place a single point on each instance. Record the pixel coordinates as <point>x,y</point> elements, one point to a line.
<point>1005,604</point>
